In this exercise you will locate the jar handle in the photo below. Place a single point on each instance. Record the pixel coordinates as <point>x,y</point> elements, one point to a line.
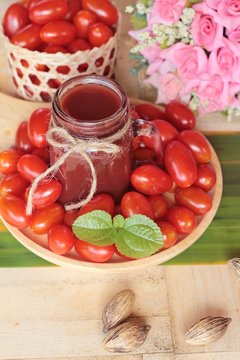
<point>150,135</point>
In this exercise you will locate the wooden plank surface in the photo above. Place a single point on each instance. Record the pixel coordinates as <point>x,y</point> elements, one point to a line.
<point>56,313</point>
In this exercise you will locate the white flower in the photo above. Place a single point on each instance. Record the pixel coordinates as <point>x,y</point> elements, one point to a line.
<point>142,9</point>
<point>187,16</point>
<point>129,9</point>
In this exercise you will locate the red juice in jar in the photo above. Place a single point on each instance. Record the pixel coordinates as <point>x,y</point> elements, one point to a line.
<point>91,108</point>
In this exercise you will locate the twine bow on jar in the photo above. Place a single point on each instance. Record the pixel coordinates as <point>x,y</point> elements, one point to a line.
<point>62,139</point>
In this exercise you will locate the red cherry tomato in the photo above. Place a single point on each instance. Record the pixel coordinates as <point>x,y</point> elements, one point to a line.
<point>53,49</point>
<point>117,210</point>
<point>104,9</point>
<point>43,154</point>
<point>170,233</point>
<point>28,37</point>
<point>159,206</point>
<point>94,253</point>
<point>73,7</point>
<point>30,167</point>
<point>13,184</point>
<point>180,164</point>
<point>48,10</point>
<point>206,177</point>
<point>194,199</point>
<point>46,194</point>
<point>79,45</point>
<point>70,217</point>
<point>143,155</point>
<point>183,219</point>
<point>58,33</point>
<point>99,34</point>
<point>180,116</point>
<point>8,161</point>
<point>134,203</point>
<point>151,180</point>
<point>12,210</point>
<point>83,20</point>
<point>22,141</point>
<point>60,239</point>
<point>103,202</point>
<point>166,130</point>
<point>149,112</point>
<point>15,19</point>
<point>44,219</point>
<point>38,127</point>
<point>198,144</point>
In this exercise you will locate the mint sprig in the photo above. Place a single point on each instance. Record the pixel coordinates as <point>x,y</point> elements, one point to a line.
<point>137,236</point>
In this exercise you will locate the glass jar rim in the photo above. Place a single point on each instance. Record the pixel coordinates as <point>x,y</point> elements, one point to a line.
<point>89,79</point>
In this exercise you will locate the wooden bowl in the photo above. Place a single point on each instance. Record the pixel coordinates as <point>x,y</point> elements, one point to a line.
<point>38,244</point>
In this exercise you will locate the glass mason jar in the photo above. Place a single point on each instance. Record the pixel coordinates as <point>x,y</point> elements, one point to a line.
<point>113,171</point>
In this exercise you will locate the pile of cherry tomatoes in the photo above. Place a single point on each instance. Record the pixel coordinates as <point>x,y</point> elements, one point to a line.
<point>185,172</point>
<point>65,26</point>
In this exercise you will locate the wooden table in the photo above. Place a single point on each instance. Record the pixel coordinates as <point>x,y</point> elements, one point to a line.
<point>52,313</point>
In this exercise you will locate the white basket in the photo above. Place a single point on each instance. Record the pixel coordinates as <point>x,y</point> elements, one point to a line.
<point>37,75</point>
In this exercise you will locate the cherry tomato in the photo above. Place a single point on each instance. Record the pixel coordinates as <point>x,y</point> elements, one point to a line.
<point>169,232</point>
<point>58,33</point>
<point>105,10</point>
<point>159,206</point>
<point>44,219</point>
<point>70,217</point>
<point>15,19</point>
<point>99,34</point>
<point>38,127</point>
<point>183,219</point>
<point>121,255</point>
<point>8,161</point>
<point>149,112</point>
<point>28,37</point>
<point>73,7</point>
<point>12,210</point>
<point>180,116</point>
<point>117,210</point>
<point>94,253</point>
<point>60,239</point>
<point>43,154</point>
<point>103,202</point>
<point>46,194</point>
<point>194,199</point>
<point>53,49</point>
<point>206,177</point>
<point>22,141</point>
<point>79,45</point>
<point>48,10</point>
<point>180,164</point>
<point>143,155</point>
<point>198,144</point>
<point>83,20</point>
<point>166,130</point>
<point>30,167</point>
<point>151,180</point>
<point>134,203</point>
<point>13,184</point>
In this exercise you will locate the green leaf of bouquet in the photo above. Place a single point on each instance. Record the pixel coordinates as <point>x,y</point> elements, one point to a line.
<point>95,227</point>
<point>140,237</point>
<point>139,21</point>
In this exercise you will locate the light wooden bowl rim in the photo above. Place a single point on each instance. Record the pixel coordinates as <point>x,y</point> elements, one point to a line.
<point>155,259</point>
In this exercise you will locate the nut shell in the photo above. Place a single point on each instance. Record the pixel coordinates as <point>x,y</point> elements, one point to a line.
<point>118,309</point>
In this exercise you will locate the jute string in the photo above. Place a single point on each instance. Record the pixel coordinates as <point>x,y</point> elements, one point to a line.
<point>60,138</point>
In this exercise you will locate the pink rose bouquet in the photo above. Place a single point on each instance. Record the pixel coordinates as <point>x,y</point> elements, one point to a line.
<point>191,50</point>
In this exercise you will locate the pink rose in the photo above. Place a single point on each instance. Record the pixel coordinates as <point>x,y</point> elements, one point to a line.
<point>234,35</point>
<point>213,3</point>
<point>225,61</point>
<point>206,32</point>
<point>229,14</point>
<point>213,93</point>
<point>166,11</point>
<point>189,60</point>
<point>169,86</point>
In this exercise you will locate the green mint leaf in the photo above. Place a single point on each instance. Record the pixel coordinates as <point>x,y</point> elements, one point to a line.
<point>95,227</point>
<point>140,237</point>
<point>118,221</point>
